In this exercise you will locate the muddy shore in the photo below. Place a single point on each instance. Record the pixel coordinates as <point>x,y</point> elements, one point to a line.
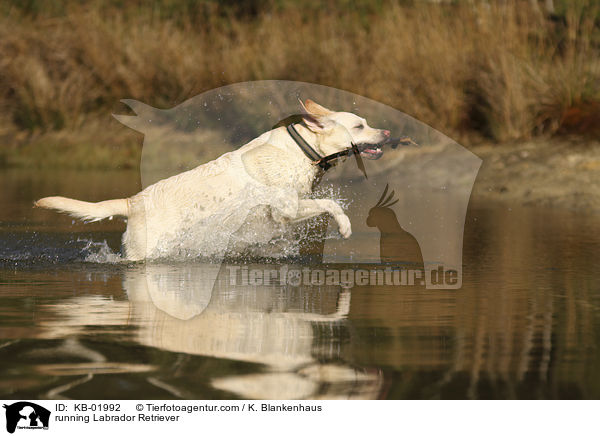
<point>562,173</point>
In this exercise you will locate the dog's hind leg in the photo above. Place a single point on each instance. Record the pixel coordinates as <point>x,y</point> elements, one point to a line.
<point>134,243</point>
<point>135,238</point>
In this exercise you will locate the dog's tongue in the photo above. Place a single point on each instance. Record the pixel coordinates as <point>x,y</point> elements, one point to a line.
<point>371,153</point>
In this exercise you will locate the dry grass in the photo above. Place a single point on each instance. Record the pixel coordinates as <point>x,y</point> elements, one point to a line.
<point>502,70</point>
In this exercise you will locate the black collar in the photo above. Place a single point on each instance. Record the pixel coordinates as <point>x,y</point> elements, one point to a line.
<point>312,154</point>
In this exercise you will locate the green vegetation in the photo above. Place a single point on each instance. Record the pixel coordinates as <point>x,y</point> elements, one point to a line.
<point>498,70</point>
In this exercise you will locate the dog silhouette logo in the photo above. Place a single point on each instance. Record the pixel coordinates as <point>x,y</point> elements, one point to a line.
<point>26,415</point>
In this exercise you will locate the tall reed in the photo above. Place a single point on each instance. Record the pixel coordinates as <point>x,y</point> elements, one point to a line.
<point>502,70</point>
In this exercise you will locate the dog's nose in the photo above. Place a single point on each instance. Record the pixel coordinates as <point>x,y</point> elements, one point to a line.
<point>386,133</point>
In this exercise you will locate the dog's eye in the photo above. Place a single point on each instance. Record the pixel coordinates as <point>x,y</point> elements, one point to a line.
<point>359,126</point>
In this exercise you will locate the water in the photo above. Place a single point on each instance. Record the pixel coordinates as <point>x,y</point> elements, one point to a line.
<point>77,322</point>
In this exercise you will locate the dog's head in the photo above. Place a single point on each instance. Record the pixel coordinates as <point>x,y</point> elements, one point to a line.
<point>336,131</point>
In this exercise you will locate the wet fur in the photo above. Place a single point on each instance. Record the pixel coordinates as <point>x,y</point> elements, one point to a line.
<point>272,163</point>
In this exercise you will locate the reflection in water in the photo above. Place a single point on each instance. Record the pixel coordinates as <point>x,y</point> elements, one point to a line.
<point>154,331</point>
<point>267,324</point>
<point>525,323</point>
<point>293,333</point>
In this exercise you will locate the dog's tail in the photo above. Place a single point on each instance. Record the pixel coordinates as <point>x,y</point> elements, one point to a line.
<point>84,210</point>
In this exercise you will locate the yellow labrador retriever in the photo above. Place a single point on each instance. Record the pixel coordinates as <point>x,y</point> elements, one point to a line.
<point>277,169</point>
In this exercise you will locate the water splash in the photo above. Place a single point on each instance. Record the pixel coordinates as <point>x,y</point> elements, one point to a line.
<point>247,229</point>
<point>41,248</point>
<point>100,252</point>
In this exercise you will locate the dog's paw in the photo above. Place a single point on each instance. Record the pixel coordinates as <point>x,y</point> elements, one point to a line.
<point>344,226</point>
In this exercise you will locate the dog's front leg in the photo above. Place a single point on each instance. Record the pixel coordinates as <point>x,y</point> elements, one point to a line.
<point>309,208</point>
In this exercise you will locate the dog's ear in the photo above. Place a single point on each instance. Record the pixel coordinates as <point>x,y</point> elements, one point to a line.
<point>316,109</point>
<point>315,116</point>
<point>313,108</point>
<point>317,124</point>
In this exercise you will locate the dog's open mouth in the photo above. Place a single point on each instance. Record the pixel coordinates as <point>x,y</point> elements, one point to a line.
<point>370,151</point>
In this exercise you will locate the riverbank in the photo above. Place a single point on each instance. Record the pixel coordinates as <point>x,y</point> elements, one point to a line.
<point>555,172</point>
<point>562,172</point>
